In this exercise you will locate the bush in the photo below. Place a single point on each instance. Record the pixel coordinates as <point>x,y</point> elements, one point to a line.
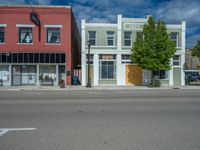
<point>155,83</point>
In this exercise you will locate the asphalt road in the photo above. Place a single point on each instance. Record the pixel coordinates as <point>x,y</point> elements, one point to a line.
<point>100,120</point>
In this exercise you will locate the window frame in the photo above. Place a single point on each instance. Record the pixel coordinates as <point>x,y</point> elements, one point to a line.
<point>124,39</point>
<point>4,39</point>
<point>19,35</point>
<point>175,61</point>
<point>113,38</point>
<point>47,33</point>
<point>126,60</point>
<point>95,39</point>
<point>177,38</point>
<point>107,60</point>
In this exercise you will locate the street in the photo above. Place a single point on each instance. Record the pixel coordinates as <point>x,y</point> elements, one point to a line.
<point>158,119</point>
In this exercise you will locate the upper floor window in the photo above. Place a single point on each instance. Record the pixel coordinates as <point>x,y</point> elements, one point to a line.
<point>127,38</point>
<point>92,37</point>
<point>53,35</point>
<point>174,37</point>
<point>110,38</point>
<point>25,35</point>
<point>176,60</point>
<point>2,34</point>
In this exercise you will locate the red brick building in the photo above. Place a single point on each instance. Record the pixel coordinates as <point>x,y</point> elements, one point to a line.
<point>39,45</point>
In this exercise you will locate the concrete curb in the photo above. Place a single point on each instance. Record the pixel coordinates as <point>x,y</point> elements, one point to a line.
<point>72,88</point>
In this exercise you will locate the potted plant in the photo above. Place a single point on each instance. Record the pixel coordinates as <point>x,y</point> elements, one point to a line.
<point>62,83</point>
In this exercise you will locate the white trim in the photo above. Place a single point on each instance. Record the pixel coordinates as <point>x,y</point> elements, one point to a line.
<point>25,44</point>
<point>94,46</point>
<point>171,75</point>
<point>173,26</point>
<point>83,54</point>
<point>96,69</point>
<point>134,20</point>
<point>53,26</point>
<point>53,44</point>
<point>183,55</point>
<point>100,25</point>
<point>25,25</point>
<point>3,25</point>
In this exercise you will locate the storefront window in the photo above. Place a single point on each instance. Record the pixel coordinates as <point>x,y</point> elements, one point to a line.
<point>107,67</point>
<point>4,73</point>
<point>47,72</point>
<point>32,58</point>
<point>24,75</point>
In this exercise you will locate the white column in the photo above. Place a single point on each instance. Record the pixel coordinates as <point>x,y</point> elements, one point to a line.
<point>183,53</point>
<point>83,54</point>
<point>57,75</point>
<point>171,80</point>
<point>119,72</point>
<point>96,69</point>
<point>37,75</point>
<point>119,32</point>
<point>10,74</point>
<point>120,77</point>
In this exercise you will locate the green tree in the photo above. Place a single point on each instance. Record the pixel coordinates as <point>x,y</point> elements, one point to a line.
<point>196,50</point>
<point>153,50</point>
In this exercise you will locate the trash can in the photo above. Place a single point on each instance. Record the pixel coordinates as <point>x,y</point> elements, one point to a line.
<point>75,80</point>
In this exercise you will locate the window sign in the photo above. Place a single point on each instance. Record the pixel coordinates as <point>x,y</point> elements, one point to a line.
<point>25,35</point>
<point>53,35</point>
<point>133,26</point>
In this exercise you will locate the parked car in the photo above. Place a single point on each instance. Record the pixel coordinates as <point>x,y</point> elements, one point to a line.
<point>192,76</point>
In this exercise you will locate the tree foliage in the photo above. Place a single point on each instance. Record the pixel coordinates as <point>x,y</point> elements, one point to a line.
<point>196,50</point>
<point>153,50</point>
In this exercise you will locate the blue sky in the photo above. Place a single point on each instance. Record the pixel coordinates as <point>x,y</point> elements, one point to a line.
<point>170,11</point>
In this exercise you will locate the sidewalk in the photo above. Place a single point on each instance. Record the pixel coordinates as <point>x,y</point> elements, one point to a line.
<point>99,87</point>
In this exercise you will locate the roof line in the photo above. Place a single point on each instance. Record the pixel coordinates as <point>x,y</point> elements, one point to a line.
<point>37,6</point>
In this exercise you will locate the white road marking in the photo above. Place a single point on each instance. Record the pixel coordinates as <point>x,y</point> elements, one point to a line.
<point>5,130</point>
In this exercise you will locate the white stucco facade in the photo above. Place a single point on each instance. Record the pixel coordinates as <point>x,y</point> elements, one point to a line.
<point>116,74</point>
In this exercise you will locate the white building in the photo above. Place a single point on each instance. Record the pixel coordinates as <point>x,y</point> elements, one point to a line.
<point>111,45</point>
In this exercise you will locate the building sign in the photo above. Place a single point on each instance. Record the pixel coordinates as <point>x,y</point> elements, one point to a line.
<point>35,19</point>
<point>133,26</point>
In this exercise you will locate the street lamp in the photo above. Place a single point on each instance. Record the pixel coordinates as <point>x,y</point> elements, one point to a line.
<point>89,80</point>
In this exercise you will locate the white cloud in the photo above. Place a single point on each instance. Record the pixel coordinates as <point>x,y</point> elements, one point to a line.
<point>173,11</point>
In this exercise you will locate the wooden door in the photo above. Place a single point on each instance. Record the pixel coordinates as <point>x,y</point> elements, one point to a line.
<point>133,75</point>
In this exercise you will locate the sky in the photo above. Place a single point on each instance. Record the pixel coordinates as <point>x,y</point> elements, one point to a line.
<point>169,11</point>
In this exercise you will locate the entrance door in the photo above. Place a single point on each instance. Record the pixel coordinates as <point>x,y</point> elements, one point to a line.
<point>16,75</point>
<point>133,75</point>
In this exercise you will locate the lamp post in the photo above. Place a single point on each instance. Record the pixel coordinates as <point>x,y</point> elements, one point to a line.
<point>89,80</point>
